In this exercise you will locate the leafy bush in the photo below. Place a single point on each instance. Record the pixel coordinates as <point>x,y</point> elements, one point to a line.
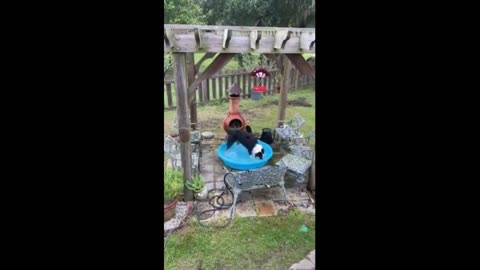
<point>172,184</point>
<point>196,184</point>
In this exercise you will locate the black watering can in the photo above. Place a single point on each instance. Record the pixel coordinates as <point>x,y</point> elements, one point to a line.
<point>266,136</point>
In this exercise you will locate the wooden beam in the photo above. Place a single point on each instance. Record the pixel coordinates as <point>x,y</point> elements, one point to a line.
<point>204,57</point>
<point>199,38</point>
<point>301,64</point>
<point>282,103</point>
<point>281,38</point>
<point>307,40</point>
<point>312,179</point>
<point>190,69</point>
<point>227,35</point>
<point>217,64</point>
<point>169,38</point>
<point>238,39</point>
<point>183,121</point>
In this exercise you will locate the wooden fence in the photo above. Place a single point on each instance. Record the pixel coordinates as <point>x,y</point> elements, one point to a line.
<point>215,87</point>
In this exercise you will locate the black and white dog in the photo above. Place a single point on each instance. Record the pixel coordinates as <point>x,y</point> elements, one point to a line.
<point>247,139</point>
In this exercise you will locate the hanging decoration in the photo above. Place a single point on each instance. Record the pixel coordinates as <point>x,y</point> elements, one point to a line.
<point>260,73</point>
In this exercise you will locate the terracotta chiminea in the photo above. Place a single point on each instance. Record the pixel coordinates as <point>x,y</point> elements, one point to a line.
<point>234,119</point>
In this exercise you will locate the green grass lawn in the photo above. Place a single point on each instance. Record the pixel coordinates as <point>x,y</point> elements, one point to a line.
<point>247,243</point>
<point>258,114</point>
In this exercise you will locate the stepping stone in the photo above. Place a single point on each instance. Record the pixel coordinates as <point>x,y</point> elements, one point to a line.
<point>245,197</point>
<point>262,194</point>
<point>265,208</point>
<point>276,194</point>
<point>207,168</point>
<point>282,208</point>
<point>245,208</point>
<point>207,176</point>
<point>218,185</point>
<point>303,265</point>
<point>208,135</point>
<point>294,195</point>
<point>311,256</point>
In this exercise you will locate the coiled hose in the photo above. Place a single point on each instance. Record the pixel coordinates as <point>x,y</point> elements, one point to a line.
<point>211,201</point>
<point>220,204</point>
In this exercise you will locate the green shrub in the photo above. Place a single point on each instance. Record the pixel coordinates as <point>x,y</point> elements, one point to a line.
<point>196,184</point>
<point>172,184</point>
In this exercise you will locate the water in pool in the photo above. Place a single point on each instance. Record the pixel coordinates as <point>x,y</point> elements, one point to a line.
<point>239,153</point>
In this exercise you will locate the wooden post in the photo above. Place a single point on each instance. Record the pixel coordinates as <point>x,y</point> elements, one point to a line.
<point>190,67</point>
<point>183,120</point>
<point>311,179</point>
<point>282,103</point>
<point>220,86</point>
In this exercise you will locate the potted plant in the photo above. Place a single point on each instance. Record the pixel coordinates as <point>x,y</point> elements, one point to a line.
<point>197,185</point>
<point>172,190</point>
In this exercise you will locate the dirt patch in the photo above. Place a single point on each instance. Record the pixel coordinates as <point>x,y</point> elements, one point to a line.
<point>301,102</point>
<point>210,123</point>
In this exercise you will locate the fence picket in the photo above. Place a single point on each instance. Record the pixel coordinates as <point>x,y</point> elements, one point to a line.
<point>214,87</point>
<point>207,90</point>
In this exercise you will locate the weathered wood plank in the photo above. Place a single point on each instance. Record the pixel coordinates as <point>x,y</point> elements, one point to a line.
<point>312,179</point>
<point>217,64</point>
<point>200,93</point>
<point>301,64</point>
<point>307,40</point>
<point>244,86</point>
<point>231,39</point>
<point>234,28</point>
<point>169,95</point>
<point>183,121</point>
<point>295,83</point>
<point>281,37</point>
<point>282,103</point>
<point>220,87</point>
<point>249,88</point>
<point>205,92</point>
<point>207,87</point>
<point>199,38</point>
<point>214,88</point>
<point>254,38</point>
<point>204,57</point>
<point>227,85</point>
<point>190,69</point>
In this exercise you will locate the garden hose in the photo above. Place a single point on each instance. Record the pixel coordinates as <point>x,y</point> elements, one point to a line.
<point>211,201</point>
<point>220,202</point>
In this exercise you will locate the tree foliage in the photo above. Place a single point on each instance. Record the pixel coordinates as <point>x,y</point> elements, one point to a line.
<point>183,12</point>
<point>279,13</point>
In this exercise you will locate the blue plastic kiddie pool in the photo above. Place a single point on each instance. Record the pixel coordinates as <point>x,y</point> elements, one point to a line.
<point>238,158</point>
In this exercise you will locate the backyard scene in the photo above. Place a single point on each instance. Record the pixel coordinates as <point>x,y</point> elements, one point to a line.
<point>239,134</point>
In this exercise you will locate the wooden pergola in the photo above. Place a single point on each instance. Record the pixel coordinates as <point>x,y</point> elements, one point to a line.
<point>224,42</point>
